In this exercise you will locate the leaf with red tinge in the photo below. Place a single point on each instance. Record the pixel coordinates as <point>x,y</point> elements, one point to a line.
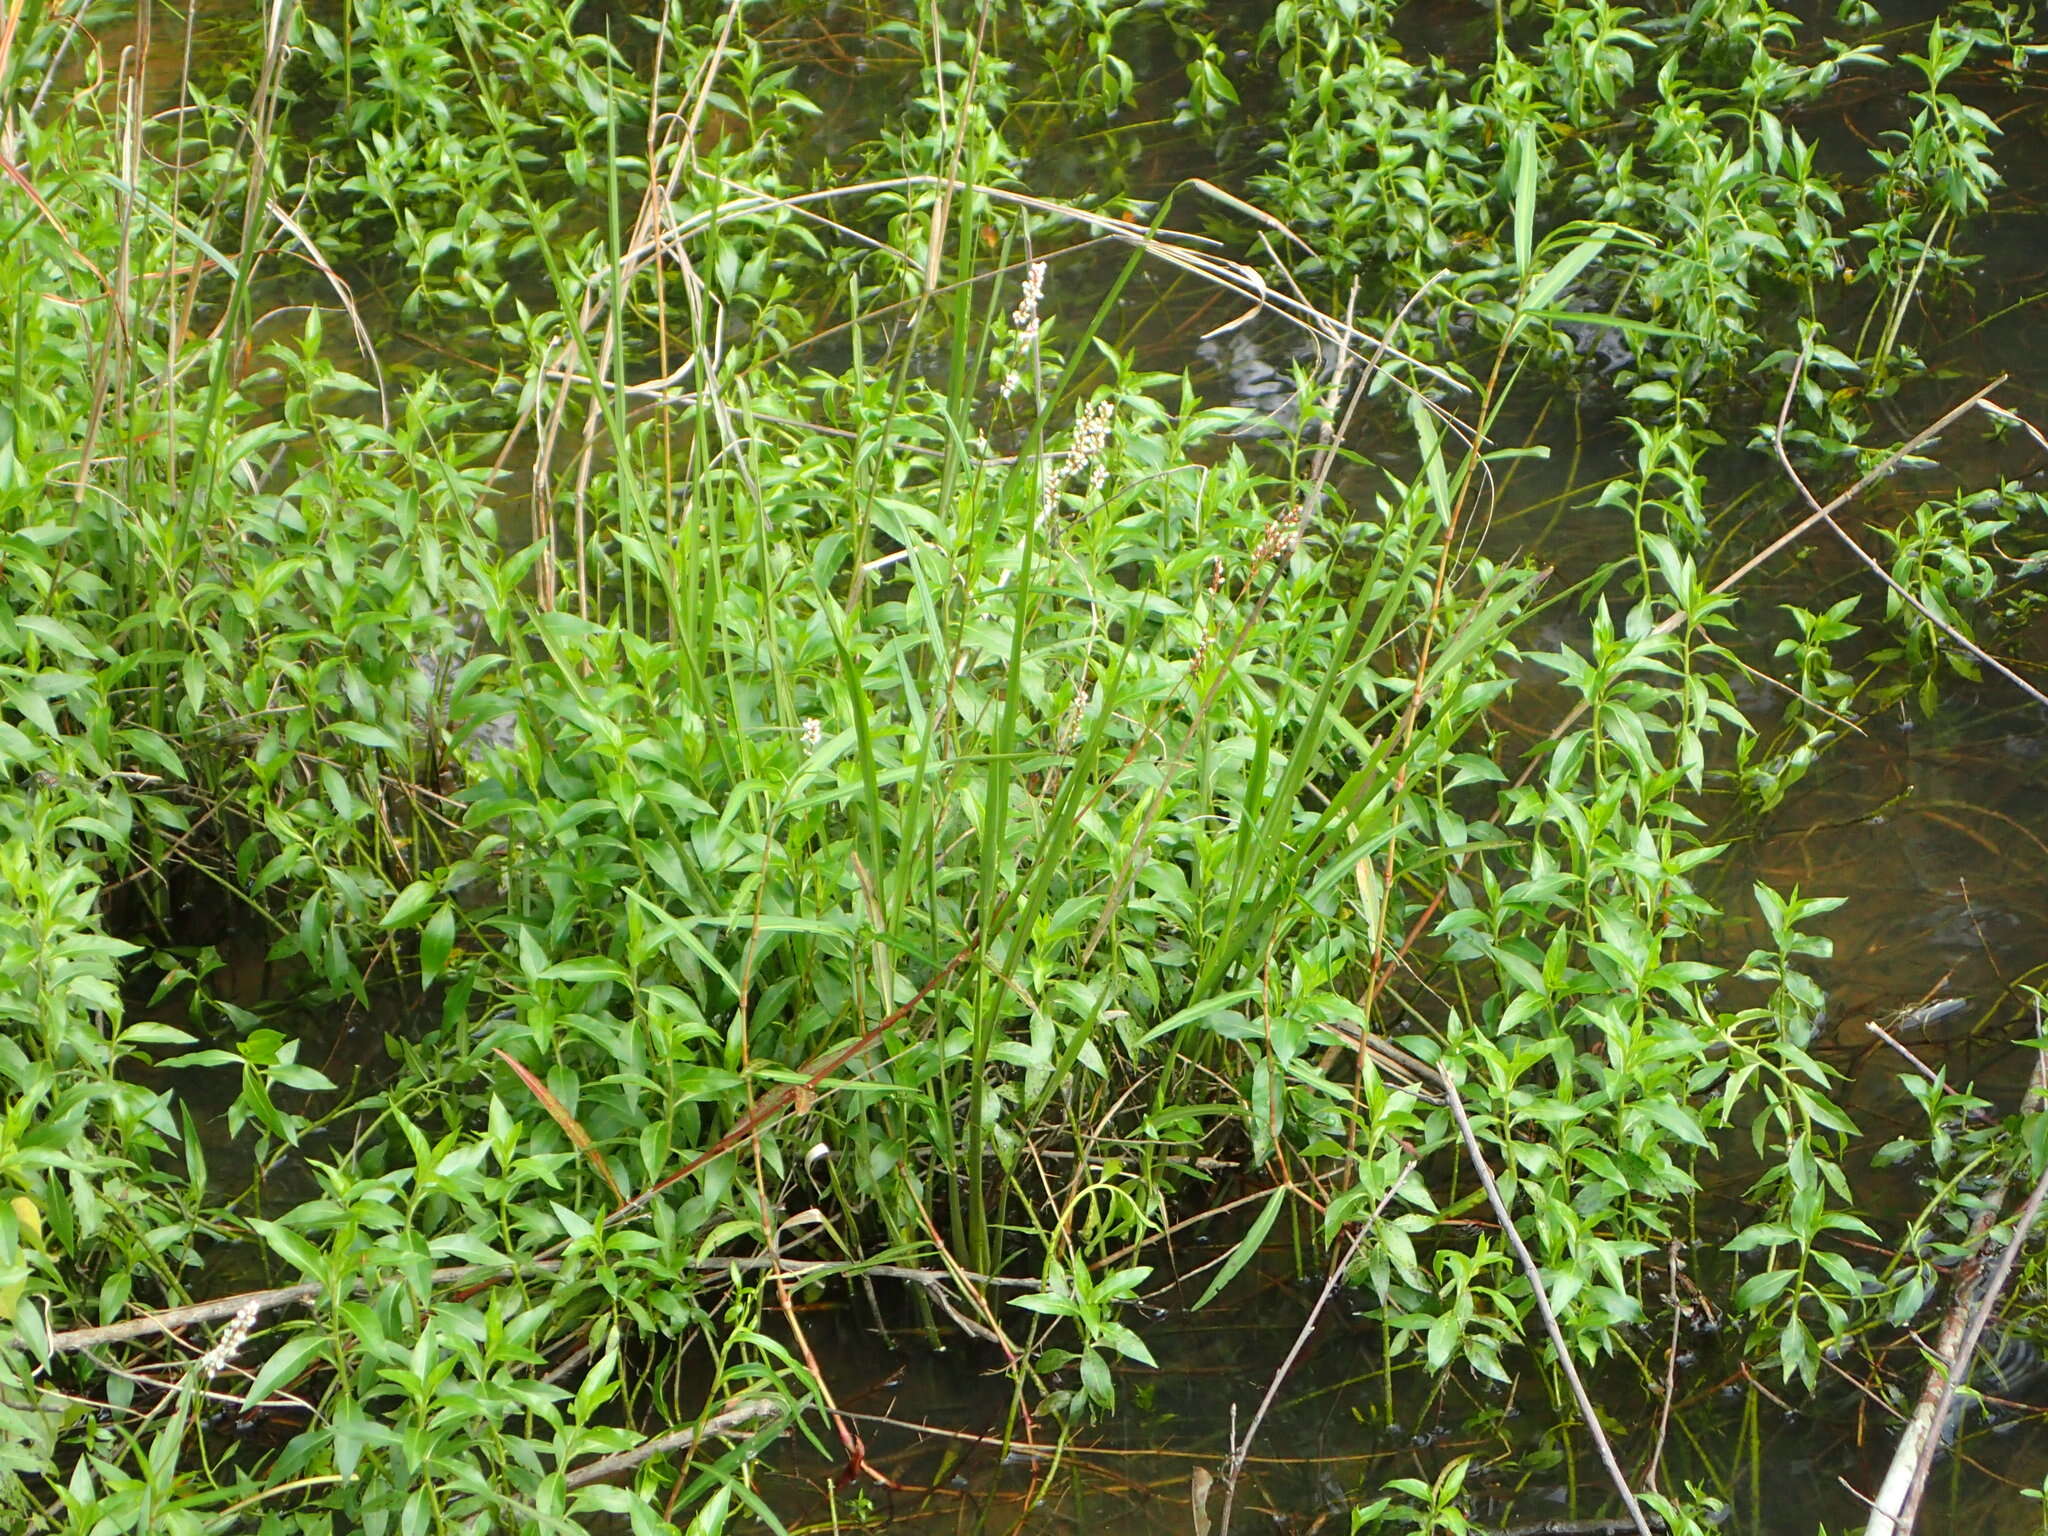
<point>561,1116</point>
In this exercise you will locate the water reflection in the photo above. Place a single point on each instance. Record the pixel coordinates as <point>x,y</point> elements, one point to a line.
<point>1347,1423</point>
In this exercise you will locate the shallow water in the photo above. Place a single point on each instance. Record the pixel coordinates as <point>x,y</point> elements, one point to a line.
<point>1344,1425</point>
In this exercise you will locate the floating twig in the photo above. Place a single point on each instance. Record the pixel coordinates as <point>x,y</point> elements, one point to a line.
<point>1894,1042</point>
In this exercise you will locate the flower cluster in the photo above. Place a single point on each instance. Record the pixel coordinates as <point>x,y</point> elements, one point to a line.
<point>1091,438</point>
<point>229,1345</point>
<point>1024,318</point>
<point>1024,325</point>
<point>1085,457</point>
<point>1076,717</point>
<point>1281,537</point>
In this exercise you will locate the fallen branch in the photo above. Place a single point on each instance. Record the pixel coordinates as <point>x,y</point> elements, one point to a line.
<point>1898,1045</point>
<point>1670,1375</point>
<point>1897,1504</point>
<point>715,1427</point>
<point>173,1319</point>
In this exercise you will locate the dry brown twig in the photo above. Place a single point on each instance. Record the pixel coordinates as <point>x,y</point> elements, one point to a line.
<point>1242,1448</point>
<point>739,1416</point>
<point>1825,515</point>
<point>1671,1257</point>
<point>1896,1044</point>
<point>169,1320</point>
<point>1897,1505</point>
<point>1980,400</point>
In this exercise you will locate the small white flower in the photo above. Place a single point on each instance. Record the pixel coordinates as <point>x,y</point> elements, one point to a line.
<point>1024,318</point>
<point>1282,536</point>
<point>1084,457</point>
<point>812,734</point>
<point>1076,716</point>
<point>229,1345</point>
<point>1091,436</point>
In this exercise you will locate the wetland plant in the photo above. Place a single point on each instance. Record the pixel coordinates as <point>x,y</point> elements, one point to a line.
<point>760,736</point>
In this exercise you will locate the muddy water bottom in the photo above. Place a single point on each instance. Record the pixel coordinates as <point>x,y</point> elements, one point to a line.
<point>1346,1424</point>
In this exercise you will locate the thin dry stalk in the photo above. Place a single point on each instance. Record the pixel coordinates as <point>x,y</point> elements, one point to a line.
<point>1894,1042</point>
<point>72,18</point>
<point>649,236</point>
<point>1173,247</point>
<point>1670,1376</point>
<point>1792,535</point>
<point>849,1438</point>
<point>318,260</point>
<point>1243,1447</point>
<point>1542,1299</point>
<point>1826,515</point>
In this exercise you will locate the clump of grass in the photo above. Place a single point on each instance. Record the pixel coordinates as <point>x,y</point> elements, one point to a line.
<point>862,769</point>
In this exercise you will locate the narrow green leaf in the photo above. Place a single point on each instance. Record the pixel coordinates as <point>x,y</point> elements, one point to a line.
<point>1525,159</point>
<point>407,905</point>
<point>284,1366</point>
<point>1246,1249</point>
<point>437,942</point>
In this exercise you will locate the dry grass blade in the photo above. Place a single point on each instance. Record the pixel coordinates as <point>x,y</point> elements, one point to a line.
<point>559,1113</point>
<point>1239,205</point>
<point>1175,248</point>
<point>346,295</point>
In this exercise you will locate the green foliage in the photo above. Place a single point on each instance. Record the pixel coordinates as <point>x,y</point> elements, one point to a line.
<point>1683,128</point>
<point>838,757</point>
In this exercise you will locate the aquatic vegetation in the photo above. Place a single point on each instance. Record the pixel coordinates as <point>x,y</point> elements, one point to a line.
<point>767,732</point>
